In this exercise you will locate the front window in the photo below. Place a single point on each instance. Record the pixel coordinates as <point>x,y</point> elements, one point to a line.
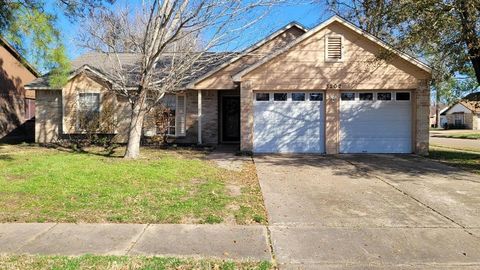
<point>459,117</point>
<point>165,118</point>
<point>89,111</point>
<point>280,96</point>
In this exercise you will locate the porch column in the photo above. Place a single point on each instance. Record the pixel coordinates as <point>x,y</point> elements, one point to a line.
<point>199,116</point>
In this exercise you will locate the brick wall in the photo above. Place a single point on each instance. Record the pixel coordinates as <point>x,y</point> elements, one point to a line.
<point>332,118</point>
<point>246,117</point>
<point>422,114</point>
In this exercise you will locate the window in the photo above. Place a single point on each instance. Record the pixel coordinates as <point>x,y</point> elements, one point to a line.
<point>347,96</point>
<point>88,110</point>
<point>459,118</point>
<point>334,48</point>
<point>316,97</point>
<point>262,96</point>
<point>365,96</point>
<point>180,115</point>
<point>403,96</point>
<point>384,96</point>
<point>165,118</point>
<point>280,96</point>
<point>298,96</point>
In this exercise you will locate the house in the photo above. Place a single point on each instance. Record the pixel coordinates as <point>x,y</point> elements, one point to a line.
<point>322,90</point>
<point>433,115</point>
<point>464,113</point>
<point>17,105</point>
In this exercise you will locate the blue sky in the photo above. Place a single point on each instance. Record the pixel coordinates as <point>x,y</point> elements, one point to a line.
<point>308,15</point>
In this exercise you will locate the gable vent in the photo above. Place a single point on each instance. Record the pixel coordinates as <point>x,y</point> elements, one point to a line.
<point>334,48</point>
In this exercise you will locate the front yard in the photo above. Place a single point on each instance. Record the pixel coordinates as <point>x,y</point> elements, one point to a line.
<point>469,161</point>
<point>472,136</point>
<point>164,186</point>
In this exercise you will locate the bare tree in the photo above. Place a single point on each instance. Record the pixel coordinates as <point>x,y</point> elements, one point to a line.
<point>171,41</point>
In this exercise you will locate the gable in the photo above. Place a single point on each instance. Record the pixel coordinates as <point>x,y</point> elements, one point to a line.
<point>14,74</point>
<point>458,108</point>
<point>303,64</point>
<point>222,78</point>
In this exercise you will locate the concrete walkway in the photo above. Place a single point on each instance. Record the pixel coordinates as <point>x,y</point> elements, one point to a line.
<point>461,144</point>
<point>213,241</point>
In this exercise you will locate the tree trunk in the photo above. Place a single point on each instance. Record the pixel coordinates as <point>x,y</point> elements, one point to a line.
<point>135,129</point>
<point>469,33</point>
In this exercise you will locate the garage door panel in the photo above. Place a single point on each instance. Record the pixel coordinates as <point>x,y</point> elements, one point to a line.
<point>375,126</point>
<point>289,127</point>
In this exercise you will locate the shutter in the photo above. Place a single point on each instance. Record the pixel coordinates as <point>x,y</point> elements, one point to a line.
<point>180,116</point>
<point>334,48</point>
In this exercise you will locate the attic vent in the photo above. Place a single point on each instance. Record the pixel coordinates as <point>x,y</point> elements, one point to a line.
<point>334,48</point>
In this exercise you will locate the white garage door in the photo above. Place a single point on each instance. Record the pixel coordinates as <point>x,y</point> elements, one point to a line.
<point>375,122</point>
<point>289,122</point>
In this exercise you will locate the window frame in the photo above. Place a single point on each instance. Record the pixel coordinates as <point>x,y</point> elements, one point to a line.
<point>342,50</point>
<point>91,92</point>
<point>403,100</point>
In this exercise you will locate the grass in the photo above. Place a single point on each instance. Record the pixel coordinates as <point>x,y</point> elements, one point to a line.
<point>58,185</point>
<point>26,262</point>
<point>472,136</point>
<point>468,161</point>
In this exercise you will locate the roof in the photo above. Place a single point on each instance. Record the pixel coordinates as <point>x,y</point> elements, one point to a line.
<point>251,49</point>
<point>237,77</point>
<point>104,66</point>
<point>18,56</point>
<point>470,101</point>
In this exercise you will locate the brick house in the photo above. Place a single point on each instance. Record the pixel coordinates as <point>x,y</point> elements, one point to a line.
<point>465,113</point>
<point>17,105</point>
<point>321,90</point>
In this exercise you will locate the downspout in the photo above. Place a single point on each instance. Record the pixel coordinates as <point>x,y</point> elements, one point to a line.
<point>199,117</point>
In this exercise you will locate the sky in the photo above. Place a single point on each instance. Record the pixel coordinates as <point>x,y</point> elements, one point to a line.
<point>308,15</point>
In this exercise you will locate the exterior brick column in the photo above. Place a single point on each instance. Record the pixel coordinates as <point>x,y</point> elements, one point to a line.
<point>332,121</point>
<point>422,111</point>
<point>246,117</point>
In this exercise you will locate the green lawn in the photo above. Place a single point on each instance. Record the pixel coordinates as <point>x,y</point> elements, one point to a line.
<point>468,161</point>
<point>25,262</point>
<point>472,136</point>
<point>58,185</point>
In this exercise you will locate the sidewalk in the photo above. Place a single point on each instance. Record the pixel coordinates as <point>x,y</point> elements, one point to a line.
<point>212,241</point>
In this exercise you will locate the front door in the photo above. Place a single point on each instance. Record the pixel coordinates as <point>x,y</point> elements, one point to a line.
<point>231,119</point>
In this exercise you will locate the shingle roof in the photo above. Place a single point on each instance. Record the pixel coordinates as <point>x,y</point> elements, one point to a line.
<point>106,65</point>
<point>472,102</point>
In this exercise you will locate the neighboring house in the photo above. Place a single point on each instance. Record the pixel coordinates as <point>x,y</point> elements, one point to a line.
<point>297,91</point>
<point>17,105</point>
<point>465,113</point>
<point>433,114</point>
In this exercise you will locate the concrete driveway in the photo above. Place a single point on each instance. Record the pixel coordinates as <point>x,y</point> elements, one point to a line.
<point>370,211</point>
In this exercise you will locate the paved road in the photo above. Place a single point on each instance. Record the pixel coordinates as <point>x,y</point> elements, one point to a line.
<point>368,211</point>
